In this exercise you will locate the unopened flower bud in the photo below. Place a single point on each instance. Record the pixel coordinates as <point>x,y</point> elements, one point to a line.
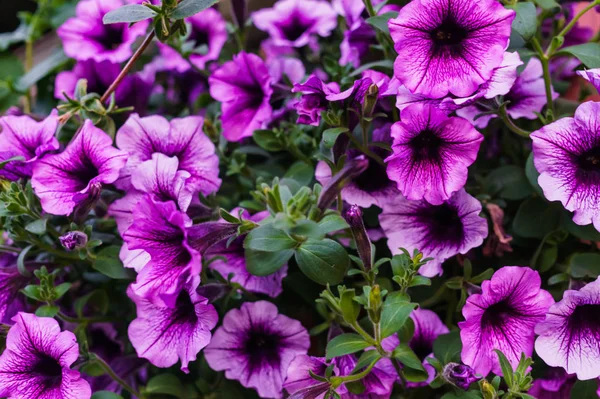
<point>353,168</point>
<point>93,195</point>
<point>73,240</point>
<point>354,217</point>
<point>370,100</point>
<point>460,375</point>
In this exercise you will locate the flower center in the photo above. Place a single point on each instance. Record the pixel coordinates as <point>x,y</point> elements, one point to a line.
<point>375,178</point>
<point>585,319</point>
<point>49,369</point>
<point>444,224</point>
<point>111,37</point>
<point>589,166</point>
<point>294,27</point>
<point>449,34</point>
<point>426,145</point>
<point>262,347</point>
<point>495,315</point>
<point>199,36</point>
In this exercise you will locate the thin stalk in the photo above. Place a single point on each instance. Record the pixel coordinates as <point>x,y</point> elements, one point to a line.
<point>370,8</point>
<point>7,248</point>
<point>87,320</point>
<point>510,124</point>
<point>127,67</point>
<point>544,59</point>
<point>570,25</point>
<point>114,376</point>
<point>365,150</point>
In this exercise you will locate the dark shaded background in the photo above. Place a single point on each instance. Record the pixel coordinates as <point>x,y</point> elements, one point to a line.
<point>10,8</point>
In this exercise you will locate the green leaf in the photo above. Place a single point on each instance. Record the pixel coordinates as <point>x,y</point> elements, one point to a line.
<point>588,53</point>
<point>462,395</point>
<point>5,162</point>
<point>307,228</point>
<point>267,238</point>
<point>47,311</point>
<point>407,357</point>
<point>301,172</point>
<point>332,222</point>
<point>97,299</point>
<point>187,8</point>
<point>585,265</point>
<point>407,331</point>
<point>41,70</point>
<point>509,182</point>
<point>447,347</point>
<point>585,389</point>
<point>525,22</point>
<point>380,22</point>
<point>331,135</point>
<point>165,384</point>
<point>549,5</point>
<point>532,175</point>
<point>587,232</point>
<point>62,289</point>
<point>366,359</point>
<point>21,261</point>
<point>507,370</point>
<point>535,218</point>
<point>19,35</point>
<point>558,278</point>
<point>323,261</point>
<point>350,308</point>
<point>128,13</point>
<point>345,344</point>
<point>384,64</point>
<point>33,292</point>
<point>37,227</point>
<point>267,140</point>
<point>261,263</point>
<point>106,395</point>
<point>396,310</point>
<point>108,263</point>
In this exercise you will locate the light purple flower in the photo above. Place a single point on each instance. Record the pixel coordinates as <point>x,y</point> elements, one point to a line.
<point>255,345</point>
<point>439,231</point>
<point>160,230</point>
<point>11,283</point>
<point>356,43</point>
<point>556,384</point>
<point>22,136</point>
<point>180,137</point>
<point>431,153</point>
<point>567,154</point>
<point>243,86</point>
<point>592,76</point>
<point>294,22</point>
<point>298,378</point>
<point>37,361</point>
<point>313,101</point>
<point>428,327</point>
<point>503,317</point>
<point>62,181</point>
<point>283,62</point>
<point>449,46</point>
<point>73,240</point>
<point>158,177</point>
<point>133,91</point>
<point>86,37</point>
<point>207,36</point>
<point>569,336</point>
<point>235,263</point>
<point>164,335</point>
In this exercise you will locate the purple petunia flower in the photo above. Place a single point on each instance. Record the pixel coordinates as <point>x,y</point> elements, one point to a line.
<point>22,136</point>
<point>428,327</point>
<point>86,37</point>
<point>133,91</point>
<point>255,345</point>
<point>356,43</point>
<point>294,22</point>
<point>11,283</point>
<point>207,36</point>
<point>556,384</point>
<point>592,76</point>
<point>503,317</point>
<point>567,153</point>
<point>73,240</point>
<point>235,262</point>
<point>570,334</point>
<point>37,361</point>
<point>243,85</point>
<point>159,229</point>
<point>282,62</point>
<point>159,177</point>
<point>181,137</point>
<point>62,181</point>
<point>164,335</point>
<point>313,101</point>
<point>459,375</point>
<point>431,153</point>
<point>449,46</point>
<point>439,231</point>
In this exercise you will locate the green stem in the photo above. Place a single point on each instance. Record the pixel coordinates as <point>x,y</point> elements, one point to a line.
<point>87,320</point>
<point>365,150</point>
<point>544,59</point>
<point>356,377</point>
<point>570,26</point>
<point>114,375</point>
<point>7,248</point>
<point>370,8</point>
<point>436,298</point>
<point>510,124</point>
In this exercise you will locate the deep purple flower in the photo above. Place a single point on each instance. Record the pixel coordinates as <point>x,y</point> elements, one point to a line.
<point>503,317</point>
<point>62,181</point>
<point>158,177</point>
<point>22,136</point>
<point>567,154</point>
<point>592,76</point>
<point>282,62</point>
<point>356,43</point>
<point>86,37</point>
<point>428,327</point>
<point>570,334</point>
<point>459,375</point>
<point>207,35</point>
<point>37,361</point>
<point>11,283</point>
<point>431,153</point>
<point>313,101</point>
<point>439,231</point>
<point>164,335</point>
<point>294,22</point>
<point>556,384</point>
<point>73,240</point>
<point>133,91</point>
<point>160,230</point>
<point>235,263</point>
<point>255,345</point>
<point>181,137</point>
<point>243,86</point>
<point>449,46</point>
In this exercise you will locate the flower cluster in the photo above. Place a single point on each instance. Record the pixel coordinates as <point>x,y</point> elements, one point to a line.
<point>318,199</point>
